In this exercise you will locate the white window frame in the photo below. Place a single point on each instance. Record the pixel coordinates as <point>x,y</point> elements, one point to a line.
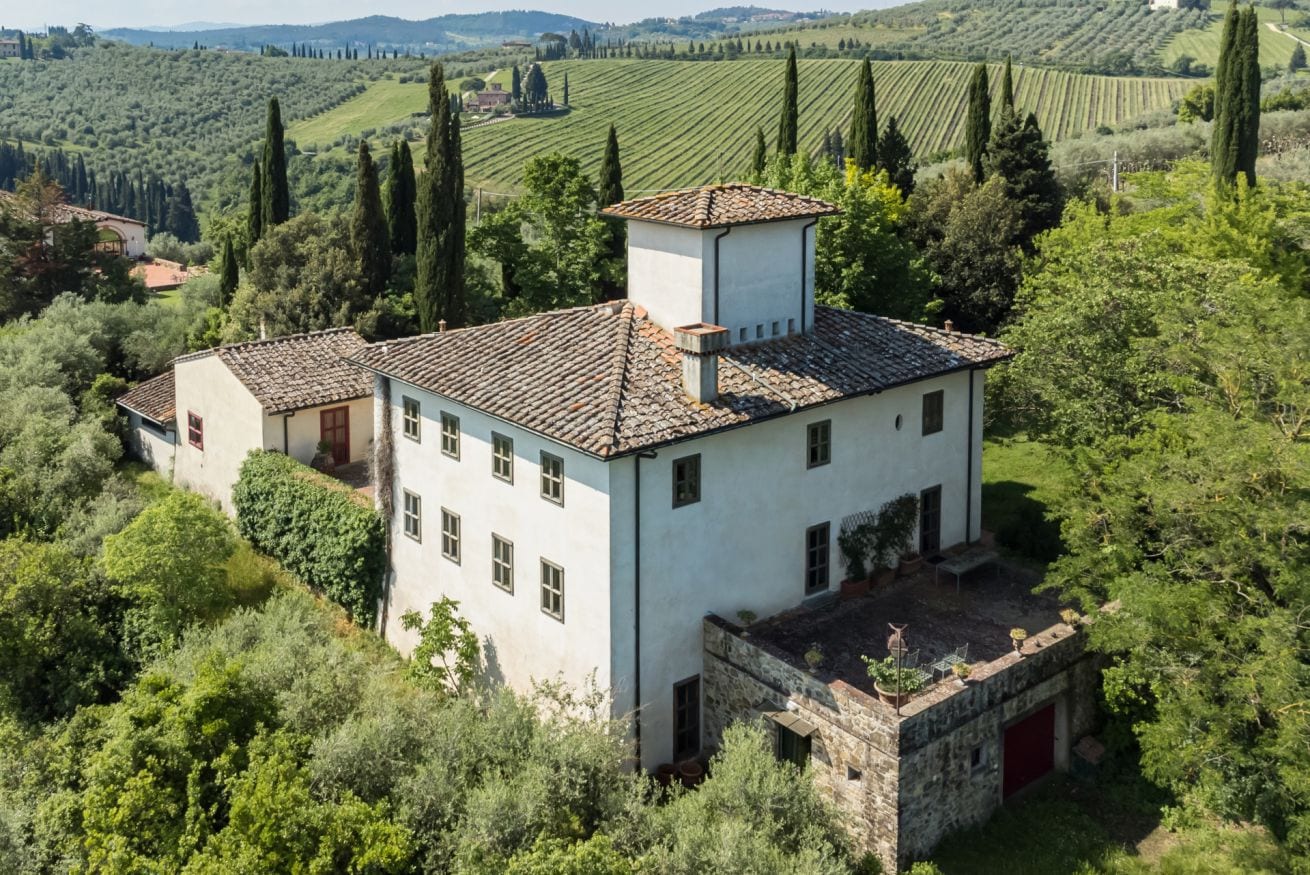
<point>450,535</point>
<point>499,460</point>
<point>449,435</point>
<point>502,563</point>
<point>552,485</point>
<point>411,421</point>
<point>414,530</point>
<point>551,575</point>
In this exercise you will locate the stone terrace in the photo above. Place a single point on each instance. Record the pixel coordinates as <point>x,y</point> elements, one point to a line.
<point>990,602</point>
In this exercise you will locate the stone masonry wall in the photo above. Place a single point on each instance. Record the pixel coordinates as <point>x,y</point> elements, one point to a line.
<point>913,781</point>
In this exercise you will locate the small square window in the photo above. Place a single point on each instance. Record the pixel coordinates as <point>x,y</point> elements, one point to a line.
<point>853,774</point>
<point>450,535</point>
<point>413,512</point>
<point>502,563</point>
<point>977,759</point>
<point>791,326</point>
<point>932,411</point>
<point>411,418</point>
<point>552,590</point>
<point>818,444</point>
<point>759,331</point>
<point>450,435</point>
<point>775,329</point>
<point>743,334</point>
<point>686,480</point>
<point>816,558</point>
<point>502,457</point>
<point>195,431</point>
<point>552,478</point>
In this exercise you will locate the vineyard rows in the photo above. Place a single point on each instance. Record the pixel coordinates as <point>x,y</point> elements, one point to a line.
<point>685,123</point>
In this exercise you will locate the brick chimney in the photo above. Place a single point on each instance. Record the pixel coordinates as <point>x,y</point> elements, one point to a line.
<point>700,345</point>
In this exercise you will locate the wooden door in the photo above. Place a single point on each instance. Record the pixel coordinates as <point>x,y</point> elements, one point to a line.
<point>334,427</point>
<point>1029,750</point>
<point>930,521</point>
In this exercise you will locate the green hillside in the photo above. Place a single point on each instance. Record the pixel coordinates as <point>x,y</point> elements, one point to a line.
<point>687,122</point>
<point>1203,45</point>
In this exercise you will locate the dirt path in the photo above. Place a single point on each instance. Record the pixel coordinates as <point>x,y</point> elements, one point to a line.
<point>1276,29</point>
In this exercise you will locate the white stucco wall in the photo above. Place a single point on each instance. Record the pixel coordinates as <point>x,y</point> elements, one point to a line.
<point>303,431</point>
<point>671,274</point>
<point>233,421</point>
<point>742,546</point>
<point>134,236</point>
<point>151,447</point>
<point>519,641</point>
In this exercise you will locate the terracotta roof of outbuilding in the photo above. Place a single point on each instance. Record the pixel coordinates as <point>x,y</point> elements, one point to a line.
<point>297,371</point>
<point>153,398</point>
<point>717,206</point>
<point>608,381</point>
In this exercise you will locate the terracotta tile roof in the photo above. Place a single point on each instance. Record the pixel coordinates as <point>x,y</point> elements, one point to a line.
<point>69,212</point>
<point>716,206</point>
<point>153,398</point>
<point>608,381</point>
<point>297,371</point>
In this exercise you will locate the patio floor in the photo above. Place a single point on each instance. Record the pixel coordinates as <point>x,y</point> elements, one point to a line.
<point>356,475</point>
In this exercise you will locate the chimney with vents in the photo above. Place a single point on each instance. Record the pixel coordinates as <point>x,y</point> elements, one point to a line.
<point>700,345</point>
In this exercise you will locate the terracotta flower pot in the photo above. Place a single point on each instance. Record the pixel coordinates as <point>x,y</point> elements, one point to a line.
<point>664,773</point>
<point>851,589</point>
<point>690,773</point>
<point>910,565</point>
<point>890,697</point>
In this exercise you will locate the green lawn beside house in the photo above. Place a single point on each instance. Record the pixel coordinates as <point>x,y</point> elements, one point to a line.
<point>1022,482</point>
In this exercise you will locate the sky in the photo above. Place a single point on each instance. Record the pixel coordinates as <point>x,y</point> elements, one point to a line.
<point>170,13</point>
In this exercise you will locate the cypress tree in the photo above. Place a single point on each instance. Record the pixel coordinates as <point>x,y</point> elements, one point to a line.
<point>566,93</point>
<point>1234,139</point>
<point>1223,145</point>
<point>1297,61</point>
<point>368,227</point>
<point>895,157</point>
<point>787,123</point>
<point>1248,140</point>
<point>862,147</point>
<point>255,211</point>
<point>228,274</point>
<point>761,156</point>
<point>1007,88</point>
<point>516,84</point>
<point>609,191</point>
<point>978,126</point>
<point>1020,155</point>
<point>439,283</point>
<point>277,197</point>
<point>401,191</point>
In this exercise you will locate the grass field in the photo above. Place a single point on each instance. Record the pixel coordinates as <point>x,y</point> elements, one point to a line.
<point>384,101</point>
<point>831,36</point>
<point>1203,45</point>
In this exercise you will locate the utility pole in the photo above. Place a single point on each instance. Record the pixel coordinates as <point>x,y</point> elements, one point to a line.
<point>1114,172</point>
<point>477,212</point>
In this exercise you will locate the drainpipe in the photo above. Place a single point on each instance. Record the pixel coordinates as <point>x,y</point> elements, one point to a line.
<point>968,475</point>
<point>286,442</point>
<point>726,232</point>
<point>636,592</point>
<point>807,226</point>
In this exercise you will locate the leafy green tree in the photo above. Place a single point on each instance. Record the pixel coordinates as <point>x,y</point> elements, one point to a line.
<point>1197,104</point>
<point>863,141</point>
<point>229,275</point>
<point>978,123</point>
<point>399,195</point>
<point>1021,157</point>
<point>439,284</point>
<point>58,628</point>
<point>169,563</point>
<point>896,158</point>
<point>609,191</point>
<point>368,226</point>
<point>1297,61</point>
<point>255,214</point>
<point>276,195</point>
<point>446,657</point>
<point>787,122</point>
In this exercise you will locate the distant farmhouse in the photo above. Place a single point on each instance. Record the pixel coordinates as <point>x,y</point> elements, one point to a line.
<point>9,48</point>
<point>486,101</point>
<point>119,235</point>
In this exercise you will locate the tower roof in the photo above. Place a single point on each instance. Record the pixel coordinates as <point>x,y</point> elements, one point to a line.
<point>718,206</point>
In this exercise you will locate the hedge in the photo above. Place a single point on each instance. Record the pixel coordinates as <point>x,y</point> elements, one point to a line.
<point>321,530</point>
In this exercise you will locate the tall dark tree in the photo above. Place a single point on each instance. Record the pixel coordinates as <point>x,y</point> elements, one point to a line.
<point>1007,88</point>
<point>790,113</point>
<point>895,157</point>
<point>228,275</point>
<point>516,84</point>
<point>761,155</point>
<point>1234,138</point>
<point>1297,61</point>
<point>181,217</point>
<point>368,226</point>
<point>277,196</point>
<point>1021,157</point>
<point>862,147</point>
<point>1249,121</point>
<point>255,210</point>
<point>401,192</point>
<point>609,190</point>
<point>978,125</point>
<point>566,90</point>
<point>439,283</point>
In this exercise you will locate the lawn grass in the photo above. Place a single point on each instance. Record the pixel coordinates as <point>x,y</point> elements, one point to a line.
<point>1203,45</point>
<point>170,298</point>
<point>1023,481</point>
<point>384,101</point>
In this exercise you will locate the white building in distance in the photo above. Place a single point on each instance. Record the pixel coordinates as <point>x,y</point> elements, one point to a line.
<point>589,483</point>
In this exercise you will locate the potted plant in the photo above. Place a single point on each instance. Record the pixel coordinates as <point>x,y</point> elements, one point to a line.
<point>962,670</point>
<point>814,658</point>
<point>853,543</point>
<point>323,460</point>
<point>1071,617</point>
<point>1018,635</point>
<point>911,562</point>
<point>747,618</point>
<point>890,533</point>
<point>885,675</point>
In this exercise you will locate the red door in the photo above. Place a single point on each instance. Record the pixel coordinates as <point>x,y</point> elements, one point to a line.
<point>334,427</point>
<point>1029,749</point>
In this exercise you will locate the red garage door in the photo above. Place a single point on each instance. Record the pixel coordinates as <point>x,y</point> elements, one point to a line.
<point>1029,749</point>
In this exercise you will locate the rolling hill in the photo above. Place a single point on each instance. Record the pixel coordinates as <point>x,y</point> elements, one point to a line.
<point>682,123</point>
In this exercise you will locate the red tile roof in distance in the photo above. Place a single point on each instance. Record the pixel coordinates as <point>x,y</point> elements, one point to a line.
<point>608,381</point>
<point>153,399</point>
<point>717,206</point>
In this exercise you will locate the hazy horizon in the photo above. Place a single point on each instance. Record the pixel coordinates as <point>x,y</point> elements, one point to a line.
<point>176,14</point>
